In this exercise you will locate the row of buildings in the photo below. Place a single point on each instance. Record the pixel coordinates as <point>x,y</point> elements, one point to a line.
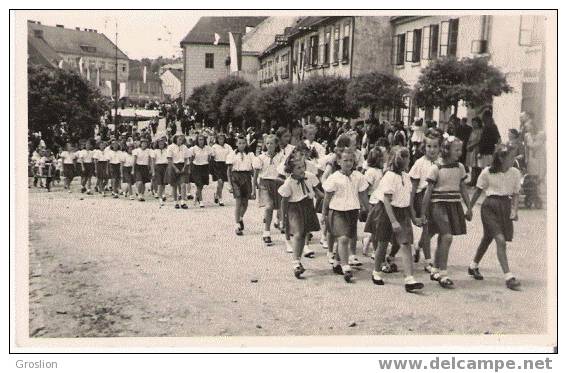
<point>287,50</point>
<point>101,62</point>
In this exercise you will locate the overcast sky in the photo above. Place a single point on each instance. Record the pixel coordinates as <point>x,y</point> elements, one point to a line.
<point>138,31</point>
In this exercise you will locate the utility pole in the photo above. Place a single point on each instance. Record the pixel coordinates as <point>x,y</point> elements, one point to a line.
<point>116,78</point>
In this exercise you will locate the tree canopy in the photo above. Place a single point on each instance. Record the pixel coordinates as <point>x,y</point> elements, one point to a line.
<point>274,105</point>
<point>447,81</point>
<point>377,91</point>
<point>56,96</point>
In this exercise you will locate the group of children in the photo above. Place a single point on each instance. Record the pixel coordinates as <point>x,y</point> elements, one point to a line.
<point>299,181</point>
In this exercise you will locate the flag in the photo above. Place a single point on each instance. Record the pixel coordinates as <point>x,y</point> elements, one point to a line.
<point>122,90</point>
<point>98,76</point>
<point>88,73</point>
<point>81,65</point>
<point>108,84</point>
<point>145,72</point>
<point>217,39</point>
<point>235,49</point>
<point>60,64</point>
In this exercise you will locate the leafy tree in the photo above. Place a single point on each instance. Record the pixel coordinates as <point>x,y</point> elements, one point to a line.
<point>274,105</point>
<point>201,101</point>
<point>56,96</point>
<point>222,88</point>
<point>376,91</point>
<point>323,96</point>
<point>246,110</point>
<point>231,102</point>
<point>447,81</point>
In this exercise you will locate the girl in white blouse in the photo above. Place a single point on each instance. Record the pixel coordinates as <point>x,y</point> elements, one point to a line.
<point>127,164</point>
<point>220,151</point>
<point>199,156</point>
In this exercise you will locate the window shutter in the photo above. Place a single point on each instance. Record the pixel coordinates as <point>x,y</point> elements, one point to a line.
<point>434,42</point>
<point>453,36</point>
<point>416,45</point>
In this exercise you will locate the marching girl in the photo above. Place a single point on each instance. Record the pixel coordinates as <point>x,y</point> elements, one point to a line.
<point>317,150</point>
<point>373,175</point>
<point>442,209</point>
<point>345,195</point>
<point>177,154</point>
<point>298,210</point>
<point>269,183</point>
<point>220,150</point>
<point>199,156</point>
<point>418,175</point>
<point>68,156</point>
<point>240,177</point>
<point>501,185</point>
<point>115,156</point>
<point>35,160</point>
<point>127,173</point>
<point>160,163</point>
<point>101,167</point>
<point>46,166</point>
<point>141,168</point>
<point>87,167</point>
<point>390,217</point>
<point>284,138</point>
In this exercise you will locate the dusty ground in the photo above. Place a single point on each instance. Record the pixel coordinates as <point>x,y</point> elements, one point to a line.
<point>104,267</point>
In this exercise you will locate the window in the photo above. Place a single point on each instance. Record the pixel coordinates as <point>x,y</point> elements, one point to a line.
<point>209,60</point>
<point>302,56</point>
<point>409,46</point>
<point>399,49</point>
<point>416,45</point>
<point>327,46</point>
<point>426,32</point>
<point>346,43</point>
<point>336,43</point>
<point>123,68</point>
<point>88,48</point>
<point>314,46</point>
<point>531,30</point>
<point>285,66</point>
<point>449,37</point>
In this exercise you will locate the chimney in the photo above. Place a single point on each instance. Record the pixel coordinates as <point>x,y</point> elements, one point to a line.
<point>60,26</point>
<point>78,28</point>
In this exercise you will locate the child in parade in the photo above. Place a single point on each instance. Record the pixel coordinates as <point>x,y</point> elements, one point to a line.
<point>177,154</point>
<point>87,167</point>
<point>47,168</point>
<point>68,156</point>
<point>35,161</point>
<point>442,209</point>
<point>390,217</point>
<point>101,167</point>
<point>345,196</point>
<point>240,177</point>
<point>115,156</point>
<point>220,151</point>
<point>373,175</point>
<point>269,183</point>
<point>199,156</point>
<point>298,211</point>
<point>418,175</point>
<point>141,168</point>
<point>501,185</point>
<point>160,164</point>
<point>127,173</point>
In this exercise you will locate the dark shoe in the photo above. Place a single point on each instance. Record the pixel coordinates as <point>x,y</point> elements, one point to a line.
<point>377,282</point>
<point>475,273</point>
<point>393,267</point>
<point>338,270</point>
<point>142,199</point>
<point>415,286</point>
<point>385,268</point>
<point>298,271</point>
<point>446,283</point>
<point>177,205</point>
<point>241,224</point>
<point>190,197</point>
<point>184,206</point>
<point>513,284</point>
<point>238,231</point>
<point>216,200</point>
<point>83,190</point>
<point>221,204</point>
<point>267,241</point>
<point>348,276</point>
<point>115,196</point>
<point>308,237</point>
<point>416,256</point>
<point>163,199</point>
<point>435,276</point>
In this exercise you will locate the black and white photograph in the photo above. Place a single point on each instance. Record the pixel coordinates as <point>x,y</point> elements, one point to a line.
<point>259,177</point>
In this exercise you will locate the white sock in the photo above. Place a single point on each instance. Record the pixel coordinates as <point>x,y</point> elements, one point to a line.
<point>508,276</point>
<point>266,234</point>
<point>296,263</point>
<point>429,261</point>
<point>351,258</point>
<point>377,275</point>
<point>444,273</point>
<point>346,268</point>
<point>473,265</point>
<point>410,280</point>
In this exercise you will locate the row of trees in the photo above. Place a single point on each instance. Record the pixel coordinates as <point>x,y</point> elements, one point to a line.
<point>442,84</point>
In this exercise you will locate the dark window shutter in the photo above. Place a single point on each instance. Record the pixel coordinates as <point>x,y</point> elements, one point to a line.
<point>453,36</point>
<point>434,42</point>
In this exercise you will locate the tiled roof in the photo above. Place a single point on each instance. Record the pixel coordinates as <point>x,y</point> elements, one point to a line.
<point>39,52</point>
<point>64,40</point>
<point>204,30</point>
<point>178,73</point>
<point>262,36</point>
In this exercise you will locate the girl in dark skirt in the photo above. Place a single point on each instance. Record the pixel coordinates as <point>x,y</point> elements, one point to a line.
<point>501,185</point>
<point>240,166</point>
<point>160,162</point>
<point>200,156</point>
<point>298,210</point>
<point>178,170</point>
<point>220,151</point>
<point>87,167</point>
<point>141,167</point>
<point>101,167</point>
<point>269,182</point>
<point>442,209</point>
<point>390,218</point>
<point>114,164</point>
<point>68,157</point>
<point>127,173</point>
<point>345,195</point>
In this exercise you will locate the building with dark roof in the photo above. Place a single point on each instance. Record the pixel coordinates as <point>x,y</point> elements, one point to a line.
<point>140,88</point>
<point>87,51</point>
<point>206,48</point>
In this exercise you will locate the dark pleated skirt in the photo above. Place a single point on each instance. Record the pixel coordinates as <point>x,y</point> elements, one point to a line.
<point>495,216</point>
<point>268,193</point>
<point>378,223</point>
<point>302,217</point>
<point>342,223</point>
<point>447,218</point>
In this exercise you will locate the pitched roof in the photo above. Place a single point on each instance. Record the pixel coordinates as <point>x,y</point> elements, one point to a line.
<point>263,35</point>
<point>39,52</point>
<point>64,40</point>
<point>178,73</point>
<point>204,30</point>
